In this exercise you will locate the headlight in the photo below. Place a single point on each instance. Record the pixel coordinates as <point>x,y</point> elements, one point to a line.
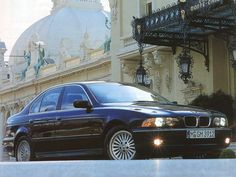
<point>160,122</point>
<point>220,122</point>
<point>171,122</point>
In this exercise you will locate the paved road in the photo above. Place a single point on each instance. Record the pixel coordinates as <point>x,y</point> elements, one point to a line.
<point>232,146</point>
<point>135,168</point>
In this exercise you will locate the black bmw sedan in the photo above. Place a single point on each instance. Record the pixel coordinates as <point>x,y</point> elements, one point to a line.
<point>120,121</point>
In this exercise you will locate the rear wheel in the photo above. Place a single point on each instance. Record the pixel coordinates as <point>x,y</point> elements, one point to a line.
<point>23,149</point>
<point>119,144</point>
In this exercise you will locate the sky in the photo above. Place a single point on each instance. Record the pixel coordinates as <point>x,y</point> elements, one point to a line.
<point>17,15</point>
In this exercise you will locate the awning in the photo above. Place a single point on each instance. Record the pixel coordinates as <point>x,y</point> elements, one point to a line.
<point>198,18</point>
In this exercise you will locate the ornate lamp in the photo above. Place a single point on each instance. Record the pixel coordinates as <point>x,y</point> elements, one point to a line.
<point>185,63</point>
<point>184,60</point>
<point>141,76</point>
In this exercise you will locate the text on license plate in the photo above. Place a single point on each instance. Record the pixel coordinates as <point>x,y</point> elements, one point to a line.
<point>200,134</point>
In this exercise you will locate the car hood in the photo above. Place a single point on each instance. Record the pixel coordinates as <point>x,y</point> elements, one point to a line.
<point>165,109</point>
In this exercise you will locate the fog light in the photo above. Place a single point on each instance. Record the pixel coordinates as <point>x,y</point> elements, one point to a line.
<point>227,140</point>
<point>158,142</point>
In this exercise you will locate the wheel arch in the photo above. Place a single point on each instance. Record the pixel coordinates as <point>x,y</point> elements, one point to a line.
<point>113,124</point>
<point>22,131</point>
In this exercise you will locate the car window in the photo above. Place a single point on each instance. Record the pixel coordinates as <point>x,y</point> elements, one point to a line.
<point>71,94</point>
<point>118,93</point>
<point>50,100</point>
<point>36,105</point>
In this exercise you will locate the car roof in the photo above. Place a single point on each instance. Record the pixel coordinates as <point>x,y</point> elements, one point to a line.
<point>79,83</point>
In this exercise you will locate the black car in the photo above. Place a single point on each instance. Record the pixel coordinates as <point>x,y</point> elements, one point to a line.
<point>120,121</point>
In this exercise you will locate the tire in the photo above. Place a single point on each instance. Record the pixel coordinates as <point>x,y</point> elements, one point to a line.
<point>214,154</point>
<point>119,144</point>
<point>23,151</point>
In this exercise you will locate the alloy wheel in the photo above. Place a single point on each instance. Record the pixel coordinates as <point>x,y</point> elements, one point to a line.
<point>122,146</point>
<point>23,151</point>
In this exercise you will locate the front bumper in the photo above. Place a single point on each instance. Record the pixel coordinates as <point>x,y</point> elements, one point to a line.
<point>175,141</point>
<point>8,144</point>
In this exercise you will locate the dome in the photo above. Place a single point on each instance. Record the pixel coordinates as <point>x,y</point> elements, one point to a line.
<point>72,25</point>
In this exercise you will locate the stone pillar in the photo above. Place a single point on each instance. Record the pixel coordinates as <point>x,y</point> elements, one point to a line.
<point>1,135</point>
<point>2,62</point>
<point>219,62</point>
<point>154,5</point>
<point>115,42</point>
<point>140,8</point>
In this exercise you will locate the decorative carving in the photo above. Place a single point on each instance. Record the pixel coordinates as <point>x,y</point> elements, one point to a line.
<point>129,68</point>
<point>153,62</point>
<point>3,109</point>
<point>33,48</point>
<point>27,57</point>
<point>158,81</point>
<point>65,45</point>
<point>148,61</point>
<point>41,62</point>
<point>158,57</point>
<point>168,80</point>
<point>192,91</point>
<point>108,23</point>
<point>85,49</point>
<point>107,44</point>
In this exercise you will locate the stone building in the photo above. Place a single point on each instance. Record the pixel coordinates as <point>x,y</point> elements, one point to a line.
<point>56,50</point>
<point>71,44</point>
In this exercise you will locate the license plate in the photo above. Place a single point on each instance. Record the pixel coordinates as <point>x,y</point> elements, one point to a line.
<point>200,134</point>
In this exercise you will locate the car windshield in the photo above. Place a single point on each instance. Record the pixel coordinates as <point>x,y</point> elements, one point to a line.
<point>121,93</point>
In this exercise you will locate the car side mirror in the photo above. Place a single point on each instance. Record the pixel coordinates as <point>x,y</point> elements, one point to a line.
<point>83,104</point>
<point>50,108</point>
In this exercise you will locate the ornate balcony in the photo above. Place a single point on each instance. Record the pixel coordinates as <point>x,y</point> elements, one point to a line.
<point>187,24</point>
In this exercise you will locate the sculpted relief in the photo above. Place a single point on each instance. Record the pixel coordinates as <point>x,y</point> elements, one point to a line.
<point>65,45</point>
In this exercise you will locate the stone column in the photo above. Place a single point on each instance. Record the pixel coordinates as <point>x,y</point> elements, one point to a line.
<point>2,63</point>
<point>115,42</point>
<point>1,135</point>
<point>154,5</point>
<point>141,8</point>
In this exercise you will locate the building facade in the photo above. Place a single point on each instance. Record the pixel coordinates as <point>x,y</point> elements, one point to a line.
<point>71,44</point>
<point>47,55</point>
<point>161,62</point>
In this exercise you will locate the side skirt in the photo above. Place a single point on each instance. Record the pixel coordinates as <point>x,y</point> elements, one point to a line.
<point>63,154</point>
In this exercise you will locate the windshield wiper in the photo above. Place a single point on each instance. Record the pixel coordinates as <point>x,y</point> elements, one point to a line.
<point>157,102</point>
<point>141,101</point>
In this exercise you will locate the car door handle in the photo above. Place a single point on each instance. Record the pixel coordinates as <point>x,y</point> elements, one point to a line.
<point>58,119</point>
<point>31,121</point>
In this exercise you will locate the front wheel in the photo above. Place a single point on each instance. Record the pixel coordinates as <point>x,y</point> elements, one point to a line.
<point>23,150</point>
<point>119,144</point>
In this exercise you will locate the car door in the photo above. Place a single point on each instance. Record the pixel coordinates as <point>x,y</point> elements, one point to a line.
<point>75,128</point>
<point>42,117</point>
